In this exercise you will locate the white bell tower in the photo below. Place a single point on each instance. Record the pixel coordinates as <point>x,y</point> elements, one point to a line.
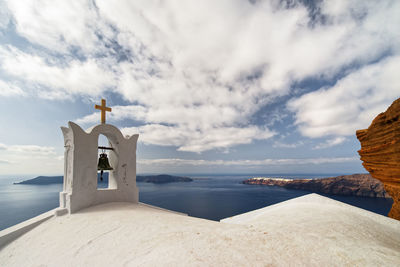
<point>80,167</point>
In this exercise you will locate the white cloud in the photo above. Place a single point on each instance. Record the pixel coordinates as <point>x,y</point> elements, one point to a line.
<point>118,113</point>
<point>262,162</point>
<point>87,78</point>
<point>29,159</point>
<point>188,135</point>
<point>28,150</point>
<point>197,140</point>
<point>9,89</point>
<point>352,103</point>
<point>32,149</point>
<point>331,142</point>
<point>4,16</point>
<point>3,161</point>
<point>60,25</point>
<point>288,145</point>
<point>195,72</point>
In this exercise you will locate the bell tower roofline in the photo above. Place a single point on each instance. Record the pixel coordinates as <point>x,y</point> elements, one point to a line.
<point>80,167</point>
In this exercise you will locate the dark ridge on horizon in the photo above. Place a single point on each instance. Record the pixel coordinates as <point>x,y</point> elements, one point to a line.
<point>157,179</point>
<point>362,185</point>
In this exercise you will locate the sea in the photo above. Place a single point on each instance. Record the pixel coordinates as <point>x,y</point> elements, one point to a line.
<point>208,196</point>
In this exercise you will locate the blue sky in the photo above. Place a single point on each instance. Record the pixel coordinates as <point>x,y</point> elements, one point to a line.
<point>210,86</point>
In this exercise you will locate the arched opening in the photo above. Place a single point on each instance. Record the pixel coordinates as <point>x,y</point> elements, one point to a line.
<point>106,164</point>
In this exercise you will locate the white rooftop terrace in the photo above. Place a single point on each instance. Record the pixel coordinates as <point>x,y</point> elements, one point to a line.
<point>311,230</point>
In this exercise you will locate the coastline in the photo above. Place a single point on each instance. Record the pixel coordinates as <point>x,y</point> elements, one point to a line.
<point>362,185</point>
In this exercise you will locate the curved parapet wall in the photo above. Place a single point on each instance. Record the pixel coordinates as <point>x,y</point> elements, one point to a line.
<point>80,167</point>
<point>380,152</point>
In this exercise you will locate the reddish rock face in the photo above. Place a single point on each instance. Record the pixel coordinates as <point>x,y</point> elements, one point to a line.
<point>380,152</point>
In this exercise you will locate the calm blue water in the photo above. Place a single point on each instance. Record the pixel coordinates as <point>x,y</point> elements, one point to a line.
<point>209,197</point>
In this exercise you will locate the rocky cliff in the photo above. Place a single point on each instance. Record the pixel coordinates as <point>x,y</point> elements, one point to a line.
<point>350,185</point>
<point>380,152</point>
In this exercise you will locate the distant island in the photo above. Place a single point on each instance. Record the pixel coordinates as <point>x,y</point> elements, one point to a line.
<point>162,179</point>
<point>43,180</point>
<point>349,185</point>
<point>156,179</point>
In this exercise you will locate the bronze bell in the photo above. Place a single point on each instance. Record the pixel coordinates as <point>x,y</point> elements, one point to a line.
<point>103,165</point>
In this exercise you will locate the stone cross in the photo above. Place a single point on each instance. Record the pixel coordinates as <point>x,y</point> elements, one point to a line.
<point>103,109</point>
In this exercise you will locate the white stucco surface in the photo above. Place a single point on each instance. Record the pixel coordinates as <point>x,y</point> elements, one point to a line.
<point>310,231</point>
<point>8,235</point>
<point>80,167</point>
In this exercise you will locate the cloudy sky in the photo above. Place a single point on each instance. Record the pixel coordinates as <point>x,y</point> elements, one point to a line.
<point>228,86</point>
